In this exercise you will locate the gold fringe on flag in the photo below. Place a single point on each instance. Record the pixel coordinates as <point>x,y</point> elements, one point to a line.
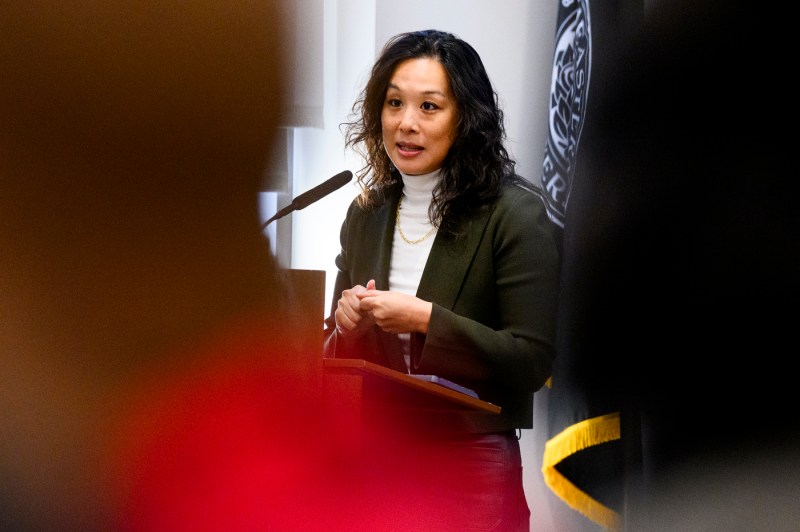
<point>569,441</point>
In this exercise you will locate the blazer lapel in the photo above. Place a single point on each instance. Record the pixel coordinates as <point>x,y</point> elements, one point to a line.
<point>378,236</point>
<point>449,260</point>
<point>384,234</point>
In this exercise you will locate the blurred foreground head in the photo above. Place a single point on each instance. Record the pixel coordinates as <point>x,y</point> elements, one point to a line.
<point>134,139</point>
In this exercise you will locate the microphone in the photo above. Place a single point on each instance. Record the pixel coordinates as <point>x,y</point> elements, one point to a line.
<point>317,193</point>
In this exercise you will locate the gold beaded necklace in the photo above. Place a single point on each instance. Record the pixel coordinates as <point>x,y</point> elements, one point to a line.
<point>400,229</point>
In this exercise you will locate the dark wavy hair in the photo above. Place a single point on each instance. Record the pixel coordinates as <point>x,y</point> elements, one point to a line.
<point>477,164</point>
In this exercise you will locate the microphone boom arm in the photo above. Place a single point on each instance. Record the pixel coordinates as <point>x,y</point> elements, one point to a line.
<point>307,198</point>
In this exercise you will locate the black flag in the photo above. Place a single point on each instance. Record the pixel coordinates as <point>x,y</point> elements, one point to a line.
<point>581,462</point>
<point>672,404</point>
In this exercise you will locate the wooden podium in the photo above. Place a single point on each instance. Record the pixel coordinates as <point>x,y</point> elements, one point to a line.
<point>360,394</point>
<point>366,399</point>
<point>380,387</point>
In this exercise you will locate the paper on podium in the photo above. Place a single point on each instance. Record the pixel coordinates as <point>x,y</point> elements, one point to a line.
<point>447,384</point>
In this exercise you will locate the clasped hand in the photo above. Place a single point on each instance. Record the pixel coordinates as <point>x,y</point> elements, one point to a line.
<point>361,307</point>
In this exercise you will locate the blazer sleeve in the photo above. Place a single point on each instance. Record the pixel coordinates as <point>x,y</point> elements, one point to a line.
<point>500,331</point>
<point>332,346</point>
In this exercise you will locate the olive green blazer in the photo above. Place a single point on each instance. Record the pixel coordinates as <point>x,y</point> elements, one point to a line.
<point>494,291</point>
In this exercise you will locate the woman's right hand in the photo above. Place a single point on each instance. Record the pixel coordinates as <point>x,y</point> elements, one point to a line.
<point>351,321</point>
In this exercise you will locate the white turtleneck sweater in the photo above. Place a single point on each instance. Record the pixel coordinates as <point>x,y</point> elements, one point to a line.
<point>408,260</point>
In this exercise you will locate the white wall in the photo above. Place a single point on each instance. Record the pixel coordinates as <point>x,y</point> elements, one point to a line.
<point>515,41</point>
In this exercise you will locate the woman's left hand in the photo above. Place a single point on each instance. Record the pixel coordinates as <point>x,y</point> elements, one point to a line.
<point>396,312</point>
